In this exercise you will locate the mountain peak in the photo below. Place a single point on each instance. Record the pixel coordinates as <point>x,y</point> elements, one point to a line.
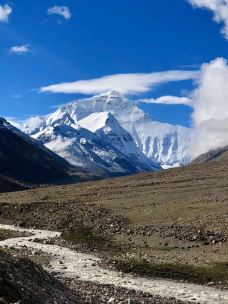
<point>60,117</point>
<point>4,124</point>
<point>3,121</point>
<point>112,94</point>
<point>97,120</point>
<point>112,111</point>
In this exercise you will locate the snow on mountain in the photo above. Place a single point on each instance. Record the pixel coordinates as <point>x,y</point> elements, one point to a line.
<point>164,144</point>
<point>106,127</point>
<point>113,118</point>
<point>34,124</point>
<point>85,149</point>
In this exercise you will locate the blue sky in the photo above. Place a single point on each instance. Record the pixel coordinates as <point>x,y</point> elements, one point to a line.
<point>102,38</point>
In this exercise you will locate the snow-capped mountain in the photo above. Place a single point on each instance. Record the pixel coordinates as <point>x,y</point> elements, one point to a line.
<point>83,148</point>
<point>116,120</point>
<point>108,129</point>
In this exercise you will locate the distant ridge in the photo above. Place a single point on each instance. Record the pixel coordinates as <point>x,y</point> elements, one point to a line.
<point>220,154</point>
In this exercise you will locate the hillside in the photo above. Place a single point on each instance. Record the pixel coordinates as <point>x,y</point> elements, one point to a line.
<point>25,160</point>
<point>7,185</point>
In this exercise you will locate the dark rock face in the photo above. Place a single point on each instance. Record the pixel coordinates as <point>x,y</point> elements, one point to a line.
<point>24,282</point>
<point>7,185</point>
<point>23,159</point>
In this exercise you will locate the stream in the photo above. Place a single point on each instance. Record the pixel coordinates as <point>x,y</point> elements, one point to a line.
<point>67,263</point>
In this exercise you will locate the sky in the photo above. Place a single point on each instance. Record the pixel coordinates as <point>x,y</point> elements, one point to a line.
<point>53,52</point>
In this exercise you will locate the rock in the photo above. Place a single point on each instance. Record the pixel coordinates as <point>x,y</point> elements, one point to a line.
<point>22,281</point>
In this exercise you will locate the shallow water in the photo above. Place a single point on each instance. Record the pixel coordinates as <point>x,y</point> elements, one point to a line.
<point>84,267</point>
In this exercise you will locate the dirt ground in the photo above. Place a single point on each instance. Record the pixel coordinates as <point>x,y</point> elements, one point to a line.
<point>171,224</point>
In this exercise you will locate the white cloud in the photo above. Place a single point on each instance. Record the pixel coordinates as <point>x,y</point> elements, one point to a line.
<point>219,8</point>
<point>169,100</point>
<point>63,11</point>
<point>124,83</point>
<point>20,50</point>
<point>31,125</point>
<point>210,117</point>
<point>5,11</point>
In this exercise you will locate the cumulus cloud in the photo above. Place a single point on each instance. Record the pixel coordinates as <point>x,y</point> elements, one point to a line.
<point>219,8</point>
<point>20,50</point>
<point>169,100</point>
<point>63,11</point>
<point>5,11</point>
<point>31,125</point>
<point>124,83</point>
<point>210,116</point>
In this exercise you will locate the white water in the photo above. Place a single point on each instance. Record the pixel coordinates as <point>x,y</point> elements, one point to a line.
<point>84,267</point>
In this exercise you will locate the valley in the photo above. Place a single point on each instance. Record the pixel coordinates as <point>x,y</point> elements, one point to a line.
<point>169,225</point>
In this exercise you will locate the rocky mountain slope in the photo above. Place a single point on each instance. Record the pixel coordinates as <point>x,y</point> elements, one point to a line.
<point>7,185</point>
<point>220,154</point>
<point>26,160</point>
<point>163,144</point>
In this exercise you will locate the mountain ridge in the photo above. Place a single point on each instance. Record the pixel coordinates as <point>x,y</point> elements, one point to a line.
<point>85,149</point>
<point>219,154</point>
